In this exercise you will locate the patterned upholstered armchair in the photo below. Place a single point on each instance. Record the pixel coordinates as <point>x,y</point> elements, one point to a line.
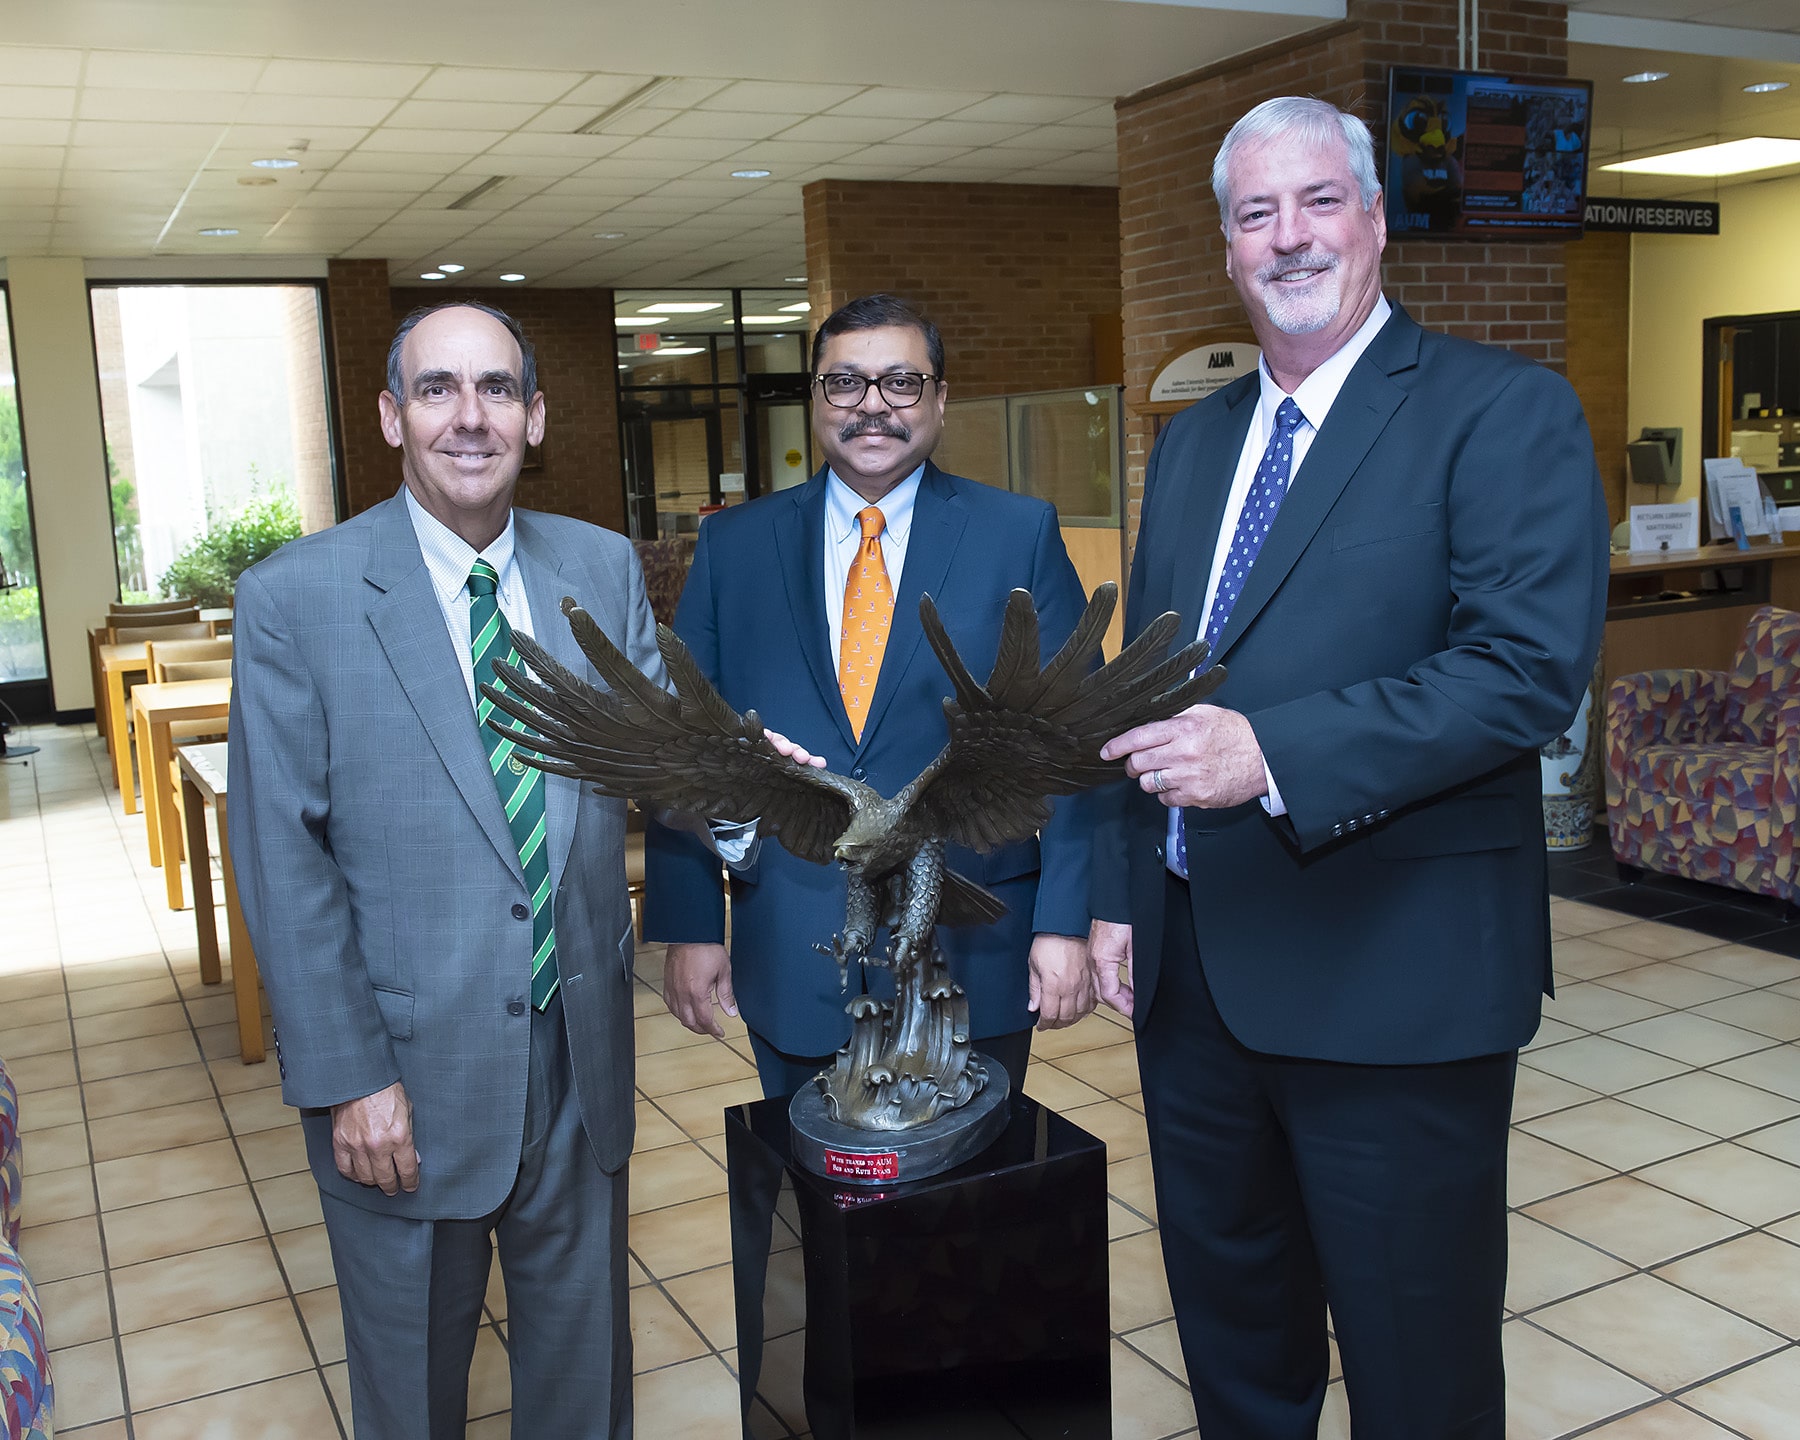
<point>26,1395</point>
<point>666,564</point>
<point>1703,766</point>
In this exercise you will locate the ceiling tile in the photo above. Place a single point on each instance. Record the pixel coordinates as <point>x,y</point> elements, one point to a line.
<point>961,132</point>
<point>639,120</point>
<point>142,70</point>
<point>197,106</point>
<point>655,149</point>
<point>35,102</point>
<point>553,166</point>
<point>1064,137</point>
<point>600,187</point>
<point>598,91</point>
<point>303,110</point>
<point>122,135</point>
<point>454,143</point>
<point>1756,15</point>
<point>33,157</point>
<point>275,139</point>
<point>1025,109</point>
<point>860,129</point>
<point>780,97</point>
<point>461,114</point>
<point>340,78</point>
<point>388,162</point>
<point>714,189</point>
<point>588,147</point>
<point>22,66</point>
<point>450,82</point>
<point>908,104</point>
<point>785,156</point>
<point>35,132</point>
<point>911,156</point>
<point>398,183</point>
<point>739,125</point>
<point>560,119</point>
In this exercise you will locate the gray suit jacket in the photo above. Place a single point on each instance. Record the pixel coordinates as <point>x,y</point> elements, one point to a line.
<point>374,865</point>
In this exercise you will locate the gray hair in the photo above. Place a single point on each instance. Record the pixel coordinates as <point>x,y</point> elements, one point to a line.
<point>1304,121</point>
<point>396,381</point>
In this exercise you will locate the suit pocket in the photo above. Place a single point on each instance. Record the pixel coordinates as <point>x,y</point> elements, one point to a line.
<point>1462,826</point>
<point>1403,524</point>
<point>396,1008</point>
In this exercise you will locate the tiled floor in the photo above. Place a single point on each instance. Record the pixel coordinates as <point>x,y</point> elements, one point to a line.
<point>175,1234</point>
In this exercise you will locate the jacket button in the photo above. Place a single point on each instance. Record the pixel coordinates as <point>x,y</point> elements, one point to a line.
<point>521,912</point>
<point>515,1007</point>
<point>1159,852</point>
<point>859,773</point>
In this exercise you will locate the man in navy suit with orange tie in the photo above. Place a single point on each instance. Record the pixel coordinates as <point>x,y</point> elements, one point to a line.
<point>804,605</point>
<point>1328,887</point>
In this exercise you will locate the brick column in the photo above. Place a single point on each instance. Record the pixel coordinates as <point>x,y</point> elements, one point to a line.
<point>1599,350</point>
<point>362,323</point>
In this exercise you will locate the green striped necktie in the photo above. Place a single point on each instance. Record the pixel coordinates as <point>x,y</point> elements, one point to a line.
<point>521,786</point>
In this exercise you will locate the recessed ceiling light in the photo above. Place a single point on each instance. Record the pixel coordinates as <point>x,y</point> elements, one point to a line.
<point>512,275</point>
<point>276,162</point>
<point>1646,77</point>
<point>1765,87</point>
<point>434,275</point>
<point>679,350</point>
<point>680,307</point>
<point>1732,157</point>
<point>218,230</point>
<point>641,323</point>
<point>804,305</point>
<point>768,320</point>
<point>609,234</point>
<point>256,179</point>
<point>450,269</point>
<point>750,174</point>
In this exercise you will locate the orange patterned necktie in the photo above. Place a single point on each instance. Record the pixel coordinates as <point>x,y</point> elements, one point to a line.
<point>868,611</point>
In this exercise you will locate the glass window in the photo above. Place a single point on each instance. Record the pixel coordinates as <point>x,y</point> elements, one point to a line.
<point>215,406</point>
<point>21,620</point>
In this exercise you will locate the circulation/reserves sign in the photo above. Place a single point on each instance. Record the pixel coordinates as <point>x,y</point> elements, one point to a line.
<point>1654,217</point>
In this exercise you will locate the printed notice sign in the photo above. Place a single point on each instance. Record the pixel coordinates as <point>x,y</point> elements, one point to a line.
<point>1196,373</point>
<point>1665,527</point>
<point>842,1165</point>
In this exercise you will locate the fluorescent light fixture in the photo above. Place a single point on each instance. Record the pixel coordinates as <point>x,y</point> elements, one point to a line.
<point>1765,87</point>
<point>512,276</point>
<point>434,275</point>
<point>217,230</point>
<point>768,319</point>
<point>1646,77</point>
<point>796,279</point>
<point>642,322</point>
<point>799,309</point>
<point>680,307</point>
<point>751,174</point>
<point>1730,157</point>
<point>450,269</point>
<point>609,234</point>
<point>680,350</point>
<point>276,162</point>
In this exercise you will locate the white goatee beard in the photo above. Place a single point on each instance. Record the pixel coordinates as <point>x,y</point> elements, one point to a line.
<point>1302,314</point>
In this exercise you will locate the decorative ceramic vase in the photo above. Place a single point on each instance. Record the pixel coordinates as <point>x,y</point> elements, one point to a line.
<point>1571,767</point>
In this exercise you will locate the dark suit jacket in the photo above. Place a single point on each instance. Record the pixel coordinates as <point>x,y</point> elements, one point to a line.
<point>378,877</point>
<point>753,613</point>
<point>1423,615</point>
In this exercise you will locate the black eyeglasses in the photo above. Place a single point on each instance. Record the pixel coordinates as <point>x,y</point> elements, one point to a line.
<point>844,389</point>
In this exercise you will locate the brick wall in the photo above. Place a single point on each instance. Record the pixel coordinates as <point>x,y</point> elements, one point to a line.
<point>1012,274</point>
<point>303,342</point>
<point>361,318</point>
<point>1599,350</point>
<point>1171,249</point>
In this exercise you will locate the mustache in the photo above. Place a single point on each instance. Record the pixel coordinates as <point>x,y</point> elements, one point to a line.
<point>1288,264</point>
<point>873,425</point>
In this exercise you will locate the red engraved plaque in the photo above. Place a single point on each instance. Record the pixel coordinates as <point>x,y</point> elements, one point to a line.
<point>840,1165</point>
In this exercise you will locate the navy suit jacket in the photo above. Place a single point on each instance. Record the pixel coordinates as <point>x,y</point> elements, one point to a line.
<point>1424,614</point>
<point>753,612</point>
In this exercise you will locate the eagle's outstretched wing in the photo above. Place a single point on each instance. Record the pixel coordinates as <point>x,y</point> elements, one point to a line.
<point>686,751</point>
<point>1031,732</point>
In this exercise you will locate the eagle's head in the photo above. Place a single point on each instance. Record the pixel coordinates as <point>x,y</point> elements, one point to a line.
<point>862,837</point>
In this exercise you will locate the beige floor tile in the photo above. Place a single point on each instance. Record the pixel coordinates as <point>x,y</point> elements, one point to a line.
<point>1659,941</point>
<point>40,1010</point>
<point>1536,1093</point>
<point>130,1024</point>
<point>294,1407</point>
<point>1057,1088</point>
<point>200,1282</point>
<point>694,1401</point>
<point>217,1006</point>
<point>682,1238</point>
<point>87,1384</point>
<point>1757,1401</point>
<point>1713,1103</point>
<point>1545,1265</point>
<point>1139,1284</point>
<point>77,1311</point>
<point>1592,1006</point>
<point>42,1039</point>
<point>1535,1168</point>
<point>490,1427</point>
<point>1672,985</point>
<point>656,1033</point>
<point>162,1175</point>
<point>31,1073</point>
<point>654,1129</point>
<point>490,1376</point>
<point>1162,1344</point>
<point>155,1090</point>
<point>152,986</point>
<point>30,984</point>
<point>1764,1011</point>
<point>1089,1033</point>
<point>1132,1182</point>
<point>213,1353</point>
<point>173,1227</point>
<point>1782,1141</point>
<point>660,1335</point>
<point>306,1257</point>
<point>1572,917</point>
<point>105,1430</point>
<point>61,1147</point>
<point>253,1110</point>
<point>1777,1070</point>
<point>1657,1333</point>
<point>701,1113</point>
<point>129,1057</point>
<point>231,1076</point>
<point>1112,1070</point>
<point>1746,964</point>
<point>1118,1126</point>
<point>1667,1420</point>
<point>1603,1065</point>
<point>691,1068</point>
<point>1122,1221</point>
<point>673,1176</point>
<point>268,1153</point>
<point>337,1382</point>
<point>1616,1134</point>
<point>1584,958</point>
<point>707,1299</point>
<point>50,1108</point>
<point>1553,1389</point>
<point>290,1201</point>
<point>1551,1032</point>
<point>1639,1223</point>
<point>1756,1275</point>
<point>1745,1184</point>
<point>61,1249</point>
<point>323,1315</point>
<point>495,1299</point>
<point>1147,1404</point>
<point>169,1128</point>
<point>1693,1039</point>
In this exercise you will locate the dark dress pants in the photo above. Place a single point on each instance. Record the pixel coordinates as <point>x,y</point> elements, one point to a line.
<point>783,1074</point>
<point>412,1290</point>
<point>1285,1184</point>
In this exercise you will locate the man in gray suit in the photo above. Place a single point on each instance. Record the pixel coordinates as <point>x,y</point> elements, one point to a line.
<point>444,931</point>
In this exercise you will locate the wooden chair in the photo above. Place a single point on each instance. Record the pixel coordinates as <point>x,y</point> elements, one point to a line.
<point>177,670</point>
<point>159,655</point>
<point>148,607</point>
<point>131,620</point>
<point>162,629</point>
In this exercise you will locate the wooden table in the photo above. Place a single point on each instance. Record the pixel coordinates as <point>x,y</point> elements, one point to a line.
<point>117,662</point>
<point>154,708</point>
<point>203,775</point>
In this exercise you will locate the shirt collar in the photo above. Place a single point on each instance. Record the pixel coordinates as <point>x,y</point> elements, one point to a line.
<point>449,557</point>
<point>1317,392</point>
<point>842,504</point>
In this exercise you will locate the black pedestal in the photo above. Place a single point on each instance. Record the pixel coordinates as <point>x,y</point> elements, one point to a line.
<point>968,1306</point>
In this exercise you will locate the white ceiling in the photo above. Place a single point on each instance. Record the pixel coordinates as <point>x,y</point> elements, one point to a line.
<point>127,149</point>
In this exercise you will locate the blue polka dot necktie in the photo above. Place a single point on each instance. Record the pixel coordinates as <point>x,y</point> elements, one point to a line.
<point>521,786</point>
<point>1267,488</point>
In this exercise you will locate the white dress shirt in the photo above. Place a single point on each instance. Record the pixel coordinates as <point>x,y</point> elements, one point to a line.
<point>1315,396</point>
<point>449,558</point>
<point>843,538</point>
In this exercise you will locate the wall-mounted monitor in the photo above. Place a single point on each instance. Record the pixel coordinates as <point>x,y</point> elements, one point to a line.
<point>1486,157</point>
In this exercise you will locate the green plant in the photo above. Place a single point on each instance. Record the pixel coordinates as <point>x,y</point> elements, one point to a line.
<point>208,568</point>
<point>127,540</point>
<point>15,514</point>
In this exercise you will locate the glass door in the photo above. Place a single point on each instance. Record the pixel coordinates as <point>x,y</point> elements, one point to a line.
<point>21,615</point>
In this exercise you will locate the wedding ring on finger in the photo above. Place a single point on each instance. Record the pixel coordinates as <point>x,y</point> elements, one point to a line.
<point>1159,781</point>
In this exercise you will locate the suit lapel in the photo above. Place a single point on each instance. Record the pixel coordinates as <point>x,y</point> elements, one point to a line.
<point>1358,416</point>
<point>545,585</point>
<point>409,623</point>
<point>800,541</point>
<point>937,527</point>
<point>1199,507</point>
